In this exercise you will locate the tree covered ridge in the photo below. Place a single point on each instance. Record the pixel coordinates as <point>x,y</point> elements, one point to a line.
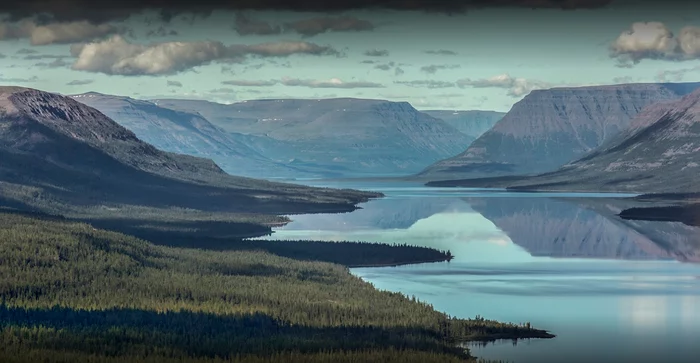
<point>66,283</point>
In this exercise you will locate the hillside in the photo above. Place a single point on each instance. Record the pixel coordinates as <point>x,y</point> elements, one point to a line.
<point>73,293</point>
<point>549,128</point>
<point>186,133</point>
<point>340,137</point>
<point>472,123</point>
<point>62,156</point>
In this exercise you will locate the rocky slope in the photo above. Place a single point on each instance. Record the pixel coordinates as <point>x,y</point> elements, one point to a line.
<point>340,136</point>
<point>659,153</point>
<point>472,123</point>
<point>549,128</point>
<point>187,133</point>
<point>57,152</point>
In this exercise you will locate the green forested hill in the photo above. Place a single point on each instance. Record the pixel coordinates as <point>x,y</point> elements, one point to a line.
<point>74,293</point>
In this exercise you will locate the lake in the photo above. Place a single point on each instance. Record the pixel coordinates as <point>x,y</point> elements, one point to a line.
<point>611,290</point>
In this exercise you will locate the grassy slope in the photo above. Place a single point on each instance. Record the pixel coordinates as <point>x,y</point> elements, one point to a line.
<point>70,292</point>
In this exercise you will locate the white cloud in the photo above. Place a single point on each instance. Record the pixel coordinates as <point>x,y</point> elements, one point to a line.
<point>331,83</point>
<point>56,33</point>
<point>117,56</point>
<point>516,87</point>
<point>654,40</point>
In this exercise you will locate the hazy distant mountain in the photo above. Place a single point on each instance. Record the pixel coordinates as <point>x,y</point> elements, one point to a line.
<point>549,128</point>
<point>341,136</point>
<point>187,133</point>
<point>659,153</point>
<point>557,228</point>
<point>57,152</point>
<point>473,123</point>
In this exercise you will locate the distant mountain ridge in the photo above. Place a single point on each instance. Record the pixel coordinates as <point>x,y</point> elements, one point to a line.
<point>549,128</point>
<point>58,152</point>
<point>344,136</point>
<point>186,133</point>
<point>473,123</point>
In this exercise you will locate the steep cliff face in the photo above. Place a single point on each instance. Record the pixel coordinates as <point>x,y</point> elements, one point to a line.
<point>660,153</point>
<point>344,136</point>
<point>186,133</point>
<point>473,123</point>
<point>549,128</point>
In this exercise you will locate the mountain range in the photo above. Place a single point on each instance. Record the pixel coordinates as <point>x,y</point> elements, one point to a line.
<point>473,123</point>
<point>60,155</point>
<point>549,128</point>
<point>336,137</point>
<point>658,153</point>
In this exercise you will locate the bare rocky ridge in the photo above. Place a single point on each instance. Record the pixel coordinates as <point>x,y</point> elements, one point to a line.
<point>340,137</point>
<point>57,151</point>
<point>473,123</point>
<point>549,128</point>
<point>187,133</point>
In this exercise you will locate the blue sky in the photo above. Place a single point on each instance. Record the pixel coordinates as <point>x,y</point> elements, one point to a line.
<point>483,59</point>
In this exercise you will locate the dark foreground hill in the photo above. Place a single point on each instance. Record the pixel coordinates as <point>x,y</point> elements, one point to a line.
<point>61,156</point>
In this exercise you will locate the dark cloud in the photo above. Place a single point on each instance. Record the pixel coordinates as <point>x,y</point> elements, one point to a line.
<point>432,69</point>
<point>174,84</point>
<point>245,25</point>
<point>368,61</point>
<point>2,56</point>
<point>161,31</point>
<point>104,10</point>
<point>80,82</point>
<point>427,84</point>
<point>315,26</point>
<point>56,63</point>
<point>441,52</point>
<point>249,83</point>
<point>398,71</point>
<point>27,51</point>
<point>331,83</point>
<point>223,90</point>
<point>119,57</point>
<point>43,56</point>
<point>376,53</point>
<point>386,66</point>
<point>654,40</point>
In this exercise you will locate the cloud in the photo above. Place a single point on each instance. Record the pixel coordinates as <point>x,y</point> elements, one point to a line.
<point>654,40</point>
<point>161,31</point>
<point>56,33</point>
<point>427,84</point>
<point>174,84</point>
<point>18,80</point>
<point>43,56</point>
<point>376,53</point>
<point>80,82</point>
<point>223,90</point>
<point>516,87</point>
<point>331,83</point>
<point>116,56</point>
<point>2,56</point>
<point>70,10</point>
<point>249,83</point>
<point>398,71</point>
<point>369,61</point>
<point>441,52</point>
<point>27,51</point>
<point>386,66</point>
<point>432,69</point>
<point>315,26</point>
<point>244,25</point>
<point>675,75</point>
<point>56,63</point>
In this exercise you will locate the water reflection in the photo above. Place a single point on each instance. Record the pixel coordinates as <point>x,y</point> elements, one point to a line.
<point>610,289</point>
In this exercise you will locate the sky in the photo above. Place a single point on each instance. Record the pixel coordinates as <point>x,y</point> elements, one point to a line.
<point>486,57</point>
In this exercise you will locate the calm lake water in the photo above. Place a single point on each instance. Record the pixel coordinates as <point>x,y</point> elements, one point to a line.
<point>611,290</point>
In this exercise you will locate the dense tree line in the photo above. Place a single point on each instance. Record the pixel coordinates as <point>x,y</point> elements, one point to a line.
<point>69,290</point>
